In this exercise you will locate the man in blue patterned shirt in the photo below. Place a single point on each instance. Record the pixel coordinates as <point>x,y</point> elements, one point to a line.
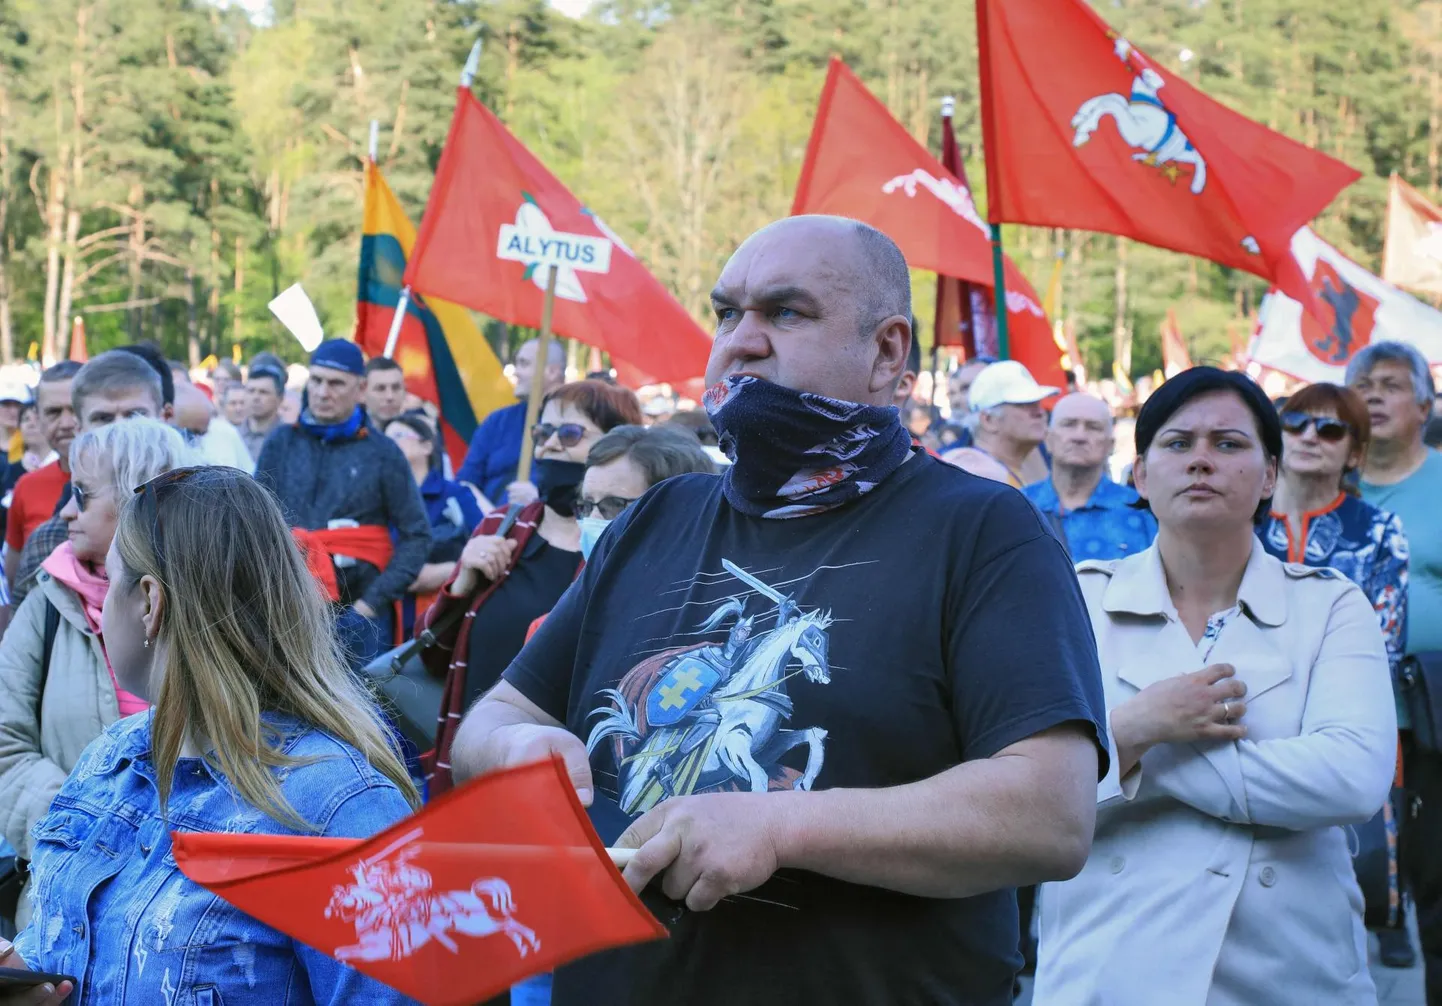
<point>1094,511</point>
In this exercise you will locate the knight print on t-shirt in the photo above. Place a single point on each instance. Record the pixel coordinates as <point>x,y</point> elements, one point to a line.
<point>714,717</point>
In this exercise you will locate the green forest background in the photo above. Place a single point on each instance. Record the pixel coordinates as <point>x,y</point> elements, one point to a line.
<point>167,166</point>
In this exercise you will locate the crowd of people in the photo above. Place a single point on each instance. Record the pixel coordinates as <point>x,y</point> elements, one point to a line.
<point>891,708</point>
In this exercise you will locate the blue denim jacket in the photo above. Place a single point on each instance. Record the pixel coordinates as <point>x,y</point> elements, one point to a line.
<point>112,908</point>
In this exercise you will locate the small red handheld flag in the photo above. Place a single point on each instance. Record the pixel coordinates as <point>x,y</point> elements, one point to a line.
<point>486,179</point>
<point>496,881</point>
<point>862,163</point>
<point>1083,130</point>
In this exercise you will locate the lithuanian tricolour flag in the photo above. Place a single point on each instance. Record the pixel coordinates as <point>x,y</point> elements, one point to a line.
<point>445,358</point>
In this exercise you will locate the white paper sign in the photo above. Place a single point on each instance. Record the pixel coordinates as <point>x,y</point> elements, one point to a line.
<point>295,311</point>
<point>565,251</point>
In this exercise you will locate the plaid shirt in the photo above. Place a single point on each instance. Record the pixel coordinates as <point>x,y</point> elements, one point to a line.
<point>42,541</point>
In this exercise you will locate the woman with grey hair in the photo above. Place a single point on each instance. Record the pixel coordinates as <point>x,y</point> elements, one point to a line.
<point>60,692</point>
<point>626,462</point>
<point>1402,475</point>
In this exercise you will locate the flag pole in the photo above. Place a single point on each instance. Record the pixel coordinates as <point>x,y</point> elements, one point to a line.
<point>948,109</point>
<point>993,177</point>
<point>468,74</point>
<point>998,268</point>
<point>404,302</point>
<point>538,377</point>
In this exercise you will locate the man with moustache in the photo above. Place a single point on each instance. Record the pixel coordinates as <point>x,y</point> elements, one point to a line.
<point>830,789</point>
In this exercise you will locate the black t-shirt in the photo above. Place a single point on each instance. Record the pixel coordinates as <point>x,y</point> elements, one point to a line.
<point>499,629</point>
<point>934,621</point>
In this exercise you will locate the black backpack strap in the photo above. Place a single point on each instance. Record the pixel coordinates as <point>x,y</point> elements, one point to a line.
<point>52,628</point>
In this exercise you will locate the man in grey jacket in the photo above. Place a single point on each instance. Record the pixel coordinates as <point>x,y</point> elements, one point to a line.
<point>349,493</point>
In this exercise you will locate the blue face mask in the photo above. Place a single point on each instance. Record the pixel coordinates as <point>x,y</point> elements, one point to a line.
<point>591,528</point>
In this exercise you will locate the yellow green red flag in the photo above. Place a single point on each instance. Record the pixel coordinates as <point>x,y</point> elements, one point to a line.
<point>446,359</point>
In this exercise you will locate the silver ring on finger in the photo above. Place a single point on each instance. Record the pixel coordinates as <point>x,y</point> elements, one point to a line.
<point>1227,710</point>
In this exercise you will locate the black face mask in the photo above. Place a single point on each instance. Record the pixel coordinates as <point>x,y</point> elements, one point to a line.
<point>796,453</point>
<point>558,483</point>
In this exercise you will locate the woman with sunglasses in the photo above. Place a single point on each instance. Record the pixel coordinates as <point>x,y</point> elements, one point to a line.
<point>624,464</point>
<point>59,689</point>
<point>257,727</point>
<point>1317,519</point>
<point>506,581</point>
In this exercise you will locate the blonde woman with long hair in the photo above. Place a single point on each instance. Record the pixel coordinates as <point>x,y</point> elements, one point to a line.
<point>50,710</point>
<point>257,727</point>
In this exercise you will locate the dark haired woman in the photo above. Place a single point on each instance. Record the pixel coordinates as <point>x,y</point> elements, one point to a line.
<point>507,582</point>
<point>1249,706</point>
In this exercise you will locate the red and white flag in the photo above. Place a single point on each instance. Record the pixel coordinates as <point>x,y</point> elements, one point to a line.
<point>496,881</point>
<point>1083,130</point>
<point>1357,308</point>
<point>1412,255</point>
<point>486,180</point>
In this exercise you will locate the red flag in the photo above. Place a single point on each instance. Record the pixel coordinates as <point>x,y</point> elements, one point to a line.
<point>862,163</point>
<point>965,316</point>
<point>1083,130</point>
<point>499,880</point>
<point>1175,357</point>
<point>486,179</point>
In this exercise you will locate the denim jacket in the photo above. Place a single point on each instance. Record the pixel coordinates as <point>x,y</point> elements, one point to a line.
<point>112,909</point>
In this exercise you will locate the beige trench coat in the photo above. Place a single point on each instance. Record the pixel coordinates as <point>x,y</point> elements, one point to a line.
<point>1221,873</point>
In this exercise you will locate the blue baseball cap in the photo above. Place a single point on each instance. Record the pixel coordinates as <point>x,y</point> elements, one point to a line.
<point>339,354</point>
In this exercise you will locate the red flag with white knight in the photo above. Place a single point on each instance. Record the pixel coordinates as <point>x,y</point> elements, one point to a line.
<point>1083,130</point>
<point>487,180</point>
<point>496,881</point>
<point>862,163</point>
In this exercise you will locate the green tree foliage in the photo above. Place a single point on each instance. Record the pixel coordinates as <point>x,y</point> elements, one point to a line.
<point>167,166</point>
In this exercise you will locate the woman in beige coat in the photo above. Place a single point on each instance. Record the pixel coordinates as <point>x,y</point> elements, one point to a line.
<point>1252,717</point>
<point>42,735</point>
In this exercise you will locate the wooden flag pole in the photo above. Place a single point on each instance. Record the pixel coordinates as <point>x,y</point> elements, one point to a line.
<point>538,377</point>
<point>621,857</point>
<point>998,268</point>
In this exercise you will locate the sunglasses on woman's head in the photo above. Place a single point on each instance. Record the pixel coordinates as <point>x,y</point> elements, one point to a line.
<point>610,507</point>
<point>569,434</point>
<point>151,491</point>
<point>1328,429</point>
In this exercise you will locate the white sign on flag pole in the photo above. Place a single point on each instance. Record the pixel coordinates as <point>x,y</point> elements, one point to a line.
<point>556,252</point>
<point>554,248</point>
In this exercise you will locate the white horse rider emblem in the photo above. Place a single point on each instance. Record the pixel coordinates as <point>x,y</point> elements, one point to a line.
<point>1143,122</point>
<point>710,717</point>
<point>396,912</point>
<point>955,197</point>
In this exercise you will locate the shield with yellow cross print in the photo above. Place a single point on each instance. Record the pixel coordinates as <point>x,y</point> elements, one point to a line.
<point>689,680</point>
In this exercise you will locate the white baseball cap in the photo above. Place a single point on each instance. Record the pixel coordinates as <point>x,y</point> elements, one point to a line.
<point>1006,382</point>
<point>14,391</point>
